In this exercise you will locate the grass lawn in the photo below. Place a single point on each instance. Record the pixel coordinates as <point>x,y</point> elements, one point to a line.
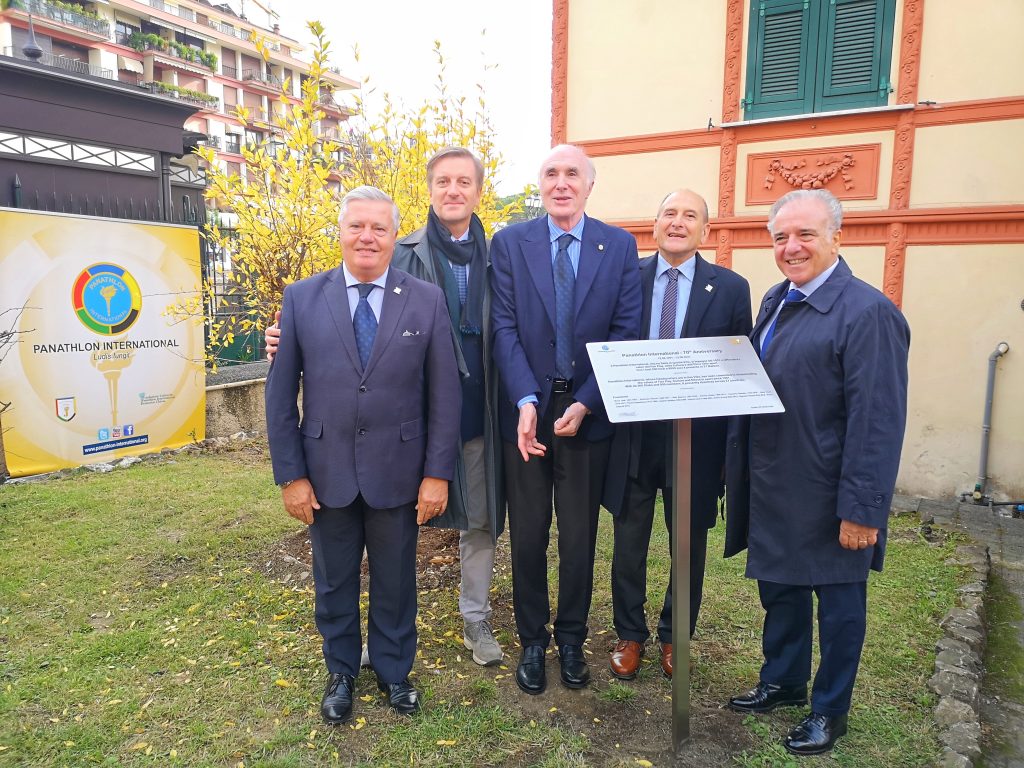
<point>137,628</point>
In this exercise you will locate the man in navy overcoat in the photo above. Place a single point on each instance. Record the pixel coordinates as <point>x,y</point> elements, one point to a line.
<point>559,282</point>
<point>375,449</point>
<point>683,296</point>
<point>809,490</point>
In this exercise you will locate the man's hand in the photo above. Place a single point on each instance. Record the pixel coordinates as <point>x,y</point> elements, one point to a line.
<point>856,536</point>
<point>300,501</point>
<point>527,431</point>
<point>272,336</point>
<point>569,424</point>
<point>433,499</point>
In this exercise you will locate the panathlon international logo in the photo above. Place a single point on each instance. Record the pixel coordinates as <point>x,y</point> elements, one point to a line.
<point>106,299</point>
<point>65,408</point>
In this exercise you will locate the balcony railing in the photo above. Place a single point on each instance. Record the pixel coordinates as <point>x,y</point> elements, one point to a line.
<point>71,18</point>
<point>63,62</point>
<point>228,71</point>
<point>186,13</point>
<point>232,144</point>
<point>262,77</point>
<point>199,99</point>
<point>160,5</point>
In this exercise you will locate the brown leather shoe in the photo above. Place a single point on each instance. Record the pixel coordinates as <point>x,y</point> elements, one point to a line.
<point>625,660</point>
<point>666,659</point>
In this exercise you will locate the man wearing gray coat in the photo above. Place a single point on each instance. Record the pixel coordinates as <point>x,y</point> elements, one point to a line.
<point>451,252</point>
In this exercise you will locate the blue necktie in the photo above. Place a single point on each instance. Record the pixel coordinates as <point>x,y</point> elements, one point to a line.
<point>364,322</point>
<point>461,273</point>
<point>669,301</point>
<point>793,297</point>
<point>565,307</point>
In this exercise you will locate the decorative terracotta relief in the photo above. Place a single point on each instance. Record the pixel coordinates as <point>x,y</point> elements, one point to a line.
<point>733,61</point>
<point>895,259</point>
<point>910,52</point>
<point>559,70</point>
<point>850,173</point>
<point>902,162</point>
<point>723,254</point>
<point>727,174</point>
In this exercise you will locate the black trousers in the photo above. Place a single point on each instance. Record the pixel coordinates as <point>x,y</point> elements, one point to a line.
<point>789,633</point>
<point>633,540</point>
<point>571,473</point>
<point>338,536</point>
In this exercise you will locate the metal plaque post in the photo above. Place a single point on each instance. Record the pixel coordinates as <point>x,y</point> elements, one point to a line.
<point>681,451</point>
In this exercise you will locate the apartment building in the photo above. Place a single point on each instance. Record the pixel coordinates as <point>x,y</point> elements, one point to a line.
<point>190,50</point>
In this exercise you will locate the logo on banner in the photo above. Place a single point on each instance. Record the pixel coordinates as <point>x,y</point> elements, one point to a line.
<point>106,299</point>
<point>65,408</point>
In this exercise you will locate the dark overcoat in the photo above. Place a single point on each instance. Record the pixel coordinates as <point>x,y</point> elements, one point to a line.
<point>719,305</point>
<point>412,254</point>
<point>839,364</point>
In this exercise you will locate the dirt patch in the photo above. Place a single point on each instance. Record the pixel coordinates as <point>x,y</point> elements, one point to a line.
<point>623,722</point>
<point>290,560</point>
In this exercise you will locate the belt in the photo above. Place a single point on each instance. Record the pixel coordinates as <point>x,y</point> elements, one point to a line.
<point>561,386</point>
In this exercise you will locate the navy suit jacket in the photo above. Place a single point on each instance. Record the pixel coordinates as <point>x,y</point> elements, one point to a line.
<point>378,431</point>
<point>839,364</point>
<point>719,305</point>
<point>523,314</point>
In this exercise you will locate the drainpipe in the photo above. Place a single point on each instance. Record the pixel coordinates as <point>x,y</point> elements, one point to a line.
<point>986,425</point>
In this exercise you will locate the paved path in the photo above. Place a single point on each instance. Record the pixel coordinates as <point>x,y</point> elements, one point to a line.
<point>1002,718</point>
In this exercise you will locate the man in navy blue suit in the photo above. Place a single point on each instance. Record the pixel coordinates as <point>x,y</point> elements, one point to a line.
<point>559,282</point>
<point>809,490</point>
<point>376,446</point>
<point>683,296</point>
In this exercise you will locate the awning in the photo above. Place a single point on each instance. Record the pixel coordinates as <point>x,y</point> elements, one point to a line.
<point>130,65</point>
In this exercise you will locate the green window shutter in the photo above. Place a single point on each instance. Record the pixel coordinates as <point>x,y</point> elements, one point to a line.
<point>780,62</point>
<point>856,54</point>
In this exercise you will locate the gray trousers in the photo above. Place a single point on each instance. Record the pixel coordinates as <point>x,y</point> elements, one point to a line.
<point>476,545</point>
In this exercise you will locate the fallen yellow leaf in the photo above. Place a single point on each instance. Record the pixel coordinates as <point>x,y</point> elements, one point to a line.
<point>282,682</point>
<point>644,763</point>
<point>445,742</point>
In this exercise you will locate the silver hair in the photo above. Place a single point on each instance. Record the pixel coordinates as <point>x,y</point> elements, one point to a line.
<point>591,170</point>
<point>366,192</point>
<point>832,205</point>
<point>441,154</point>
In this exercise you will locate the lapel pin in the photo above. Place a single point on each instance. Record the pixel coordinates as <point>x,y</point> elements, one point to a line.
<point>600,246</point>
<point>708,288</point>
<point>397,289</point>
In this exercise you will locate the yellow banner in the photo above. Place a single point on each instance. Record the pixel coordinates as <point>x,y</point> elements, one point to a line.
<point>95,370</point>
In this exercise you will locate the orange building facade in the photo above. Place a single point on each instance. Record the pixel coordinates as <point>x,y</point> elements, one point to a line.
<point>910,111</point>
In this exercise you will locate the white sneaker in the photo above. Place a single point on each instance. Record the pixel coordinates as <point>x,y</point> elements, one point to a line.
<point>478,637</point>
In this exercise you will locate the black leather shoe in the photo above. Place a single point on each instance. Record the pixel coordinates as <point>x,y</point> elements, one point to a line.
<point>402,697</point>
<point>575,672</point>
<point>765,697</point>
<point>530,673</point>
<point>336,705</point>
<point>816,735</point>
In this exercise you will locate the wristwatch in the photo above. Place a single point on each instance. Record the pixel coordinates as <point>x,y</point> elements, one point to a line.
<point>286,483</point>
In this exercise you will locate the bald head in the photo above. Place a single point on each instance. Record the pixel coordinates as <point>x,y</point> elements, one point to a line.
<point>681,225</point>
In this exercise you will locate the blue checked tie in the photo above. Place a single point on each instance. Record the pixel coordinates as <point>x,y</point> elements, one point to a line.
<point>462,278</point>
<point>793,297</point>
<point>667,326</point>
<point>364,322</point>
<point>565,307</point>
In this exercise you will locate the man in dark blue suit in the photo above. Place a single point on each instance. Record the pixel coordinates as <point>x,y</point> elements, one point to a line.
<point>559,282</point>
<point>683,296</point>
<point>809,490</point>
<point>376,446</point>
